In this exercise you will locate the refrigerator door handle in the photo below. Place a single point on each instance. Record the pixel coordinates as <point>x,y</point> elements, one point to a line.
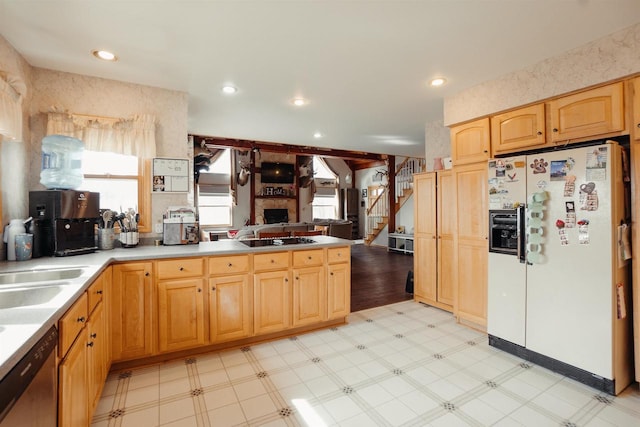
<point>521,235</point>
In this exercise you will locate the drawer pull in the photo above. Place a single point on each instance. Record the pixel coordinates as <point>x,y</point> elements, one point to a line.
<point>81,319</point>
<point>309,257</point>
<point>146,274</point>
<point>230,265</point>
<point>331,273</point>
<point>93,335</point>
<point>273,261</point>
<point>213,288</point>
<point>90,344</point>
<point>99,292</point>
<point>539,133</point>
<point>286,280</point>
<point>181,268</point>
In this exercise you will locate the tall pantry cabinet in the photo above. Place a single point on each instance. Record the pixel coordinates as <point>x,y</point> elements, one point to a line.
<point>434,210</point>
<point>470,176</point>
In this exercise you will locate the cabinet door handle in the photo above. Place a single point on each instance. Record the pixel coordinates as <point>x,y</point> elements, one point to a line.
<point>286,280</point>
<point>81,319</point>
<point>99,292</point>
<point>639,125</point>
<point>199,290</point>
<point>555,129</point>
<point>146,274</point>
<point>90,344</point>
<point>213,288</point>
<point>331,274</point>
<point>539,133</point>
<point>93,335</point>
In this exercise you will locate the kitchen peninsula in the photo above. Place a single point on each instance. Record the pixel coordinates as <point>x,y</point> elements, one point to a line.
<point>160,302</point>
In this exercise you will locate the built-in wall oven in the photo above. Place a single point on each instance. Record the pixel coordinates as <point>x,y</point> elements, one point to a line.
<point>28,393</point>
<point>505,232</point>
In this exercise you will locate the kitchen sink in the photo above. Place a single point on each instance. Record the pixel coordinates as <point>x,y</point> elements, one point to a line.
<point>24,297</point>
<point>44,275</point>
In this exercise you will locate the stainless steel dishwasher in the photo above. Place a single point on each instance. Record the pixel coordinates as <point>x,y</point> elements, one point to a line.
<point>28,393</point>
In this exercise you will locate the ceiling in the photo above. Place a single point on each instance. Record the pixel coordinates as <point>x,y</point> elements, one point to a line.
<point>363,66</point>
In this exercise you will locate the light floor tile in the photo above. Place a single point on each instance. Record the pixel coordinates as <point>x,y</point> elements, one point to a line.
<point>176,410</point>
<point>395,412</point>
<point>229,415</point>
<point>411,366</point>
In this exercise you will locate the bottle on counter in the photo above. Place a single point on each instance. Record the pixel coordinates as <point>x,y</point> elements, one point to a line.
<point>61,162</point>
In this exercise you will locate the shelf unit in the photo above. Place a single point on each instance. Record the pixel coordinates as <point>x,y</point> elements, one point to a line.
<point>401,243</point>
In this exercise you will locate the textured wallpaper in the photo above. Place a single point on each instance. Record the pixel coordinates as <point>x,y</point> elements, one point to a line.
<point>602,60</point>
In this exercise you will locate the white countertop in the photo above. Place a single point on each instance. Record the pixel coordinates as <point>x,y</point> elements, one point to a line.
<point>22,327</point>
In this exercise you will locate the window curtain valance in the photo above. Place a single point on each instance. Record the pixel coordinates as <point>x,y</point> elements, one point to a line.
<point>10,108</point>
<point>134,137</point>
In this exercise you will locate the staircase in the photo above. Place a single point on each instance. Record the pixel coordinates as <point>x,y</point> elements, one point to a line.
<point>378,213</point>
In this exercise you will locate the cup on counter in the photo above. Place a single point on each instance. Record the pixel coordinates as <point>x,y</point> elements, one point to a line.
<point>106,236</point>
<point>24,245</point>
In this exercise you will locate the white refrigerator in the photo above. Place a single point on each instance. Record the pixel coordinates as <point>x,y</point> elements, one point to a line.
<point>564,302</point>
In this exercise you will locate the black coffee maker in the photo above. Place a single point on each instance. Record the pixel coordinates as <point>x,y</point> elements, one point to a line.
<point>63,222</point>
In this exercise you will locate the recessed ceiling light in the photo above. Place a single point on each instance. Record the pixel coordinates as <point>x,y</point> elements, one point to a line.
<point>105,55</point>
<point>438,81</point>
<point>318,135</point>
<point>228,89</point>
<point>299,102</point>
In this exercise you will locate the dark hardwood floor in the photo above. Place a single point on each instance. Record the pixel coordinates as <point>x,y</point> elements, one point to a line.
<point>378,277</point>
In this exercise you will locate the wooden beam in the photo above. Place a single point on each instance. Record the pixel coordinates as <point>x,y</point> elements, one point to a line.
<point>243,144</point>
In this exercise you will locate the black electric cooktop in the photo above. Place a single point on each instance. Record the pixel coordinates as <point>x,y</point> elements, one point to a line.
<point>253,243</point>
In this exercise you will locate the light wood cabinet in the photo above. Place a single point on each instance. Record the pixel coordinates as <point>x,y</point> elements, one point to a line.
<point>518,130</point>
<point>589,113</point>
<point>434,213</point>
<point>309,287</point>
<point>470,302</point>
<point>425,244</point>
<point>309,296</point>
<point>338,282</point>
<point>133,315</point>
<point>230,298</point>
<point>73,387</point>
<point>446,203</point>
<point>97,358</point>
<point>635,92</point>
<point>470,142</point>
<point>230,307</point>
<point>85,363</point>
<point>272,301</point>
<point>181,321</point>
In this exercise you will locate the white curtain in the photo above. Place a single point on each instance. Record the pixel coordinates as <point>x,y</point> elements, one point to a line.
<point>135,136</point>
<point>10,109</point>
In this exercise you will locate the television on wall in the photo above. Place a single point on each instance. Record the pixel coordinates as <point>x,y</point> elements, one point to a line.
<point>277,173</point>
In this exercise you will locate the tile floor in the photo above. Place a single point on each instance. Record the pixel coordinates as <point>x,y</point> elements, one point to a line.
<point>404,364</point>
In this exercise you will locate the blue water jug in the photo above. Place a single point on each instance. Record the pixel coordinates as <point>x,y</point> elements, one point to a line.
<point>61,162</point>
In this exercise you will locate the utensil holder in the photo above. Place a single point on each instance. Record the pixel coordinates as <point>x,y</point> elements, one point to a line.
<point>106,237</point>
<point>129,239</point>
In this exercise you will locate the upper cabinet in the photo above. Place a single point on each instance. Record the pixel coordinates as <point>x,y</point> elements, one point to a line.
<point>590,113</point>
<point>470,142</point>
<point>518,130</point>
<point>635,88</point>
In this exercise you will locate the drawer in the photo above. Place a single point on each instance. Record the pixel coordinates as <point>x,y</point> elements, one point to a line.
<point>271,261</point>
<point>308,258</point>
<point>72,323</point>
<point>94,293</point>
<point>336,255</point>
<point>228,264</point>
<point>178,268</point>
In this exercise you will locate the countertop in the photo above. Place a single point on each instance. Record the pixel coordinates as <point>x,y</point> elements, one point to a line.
<point>21,328</point>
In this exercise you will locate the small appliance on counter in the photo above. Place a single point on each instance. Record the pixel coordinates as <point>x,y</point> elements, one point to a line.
<point>181,226</point>
<point>63,222</point>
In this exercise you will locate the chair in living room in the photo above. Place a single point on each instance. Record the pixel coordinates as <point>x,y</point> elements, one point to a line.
<point>307,233</point>
<point>273,234</point>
